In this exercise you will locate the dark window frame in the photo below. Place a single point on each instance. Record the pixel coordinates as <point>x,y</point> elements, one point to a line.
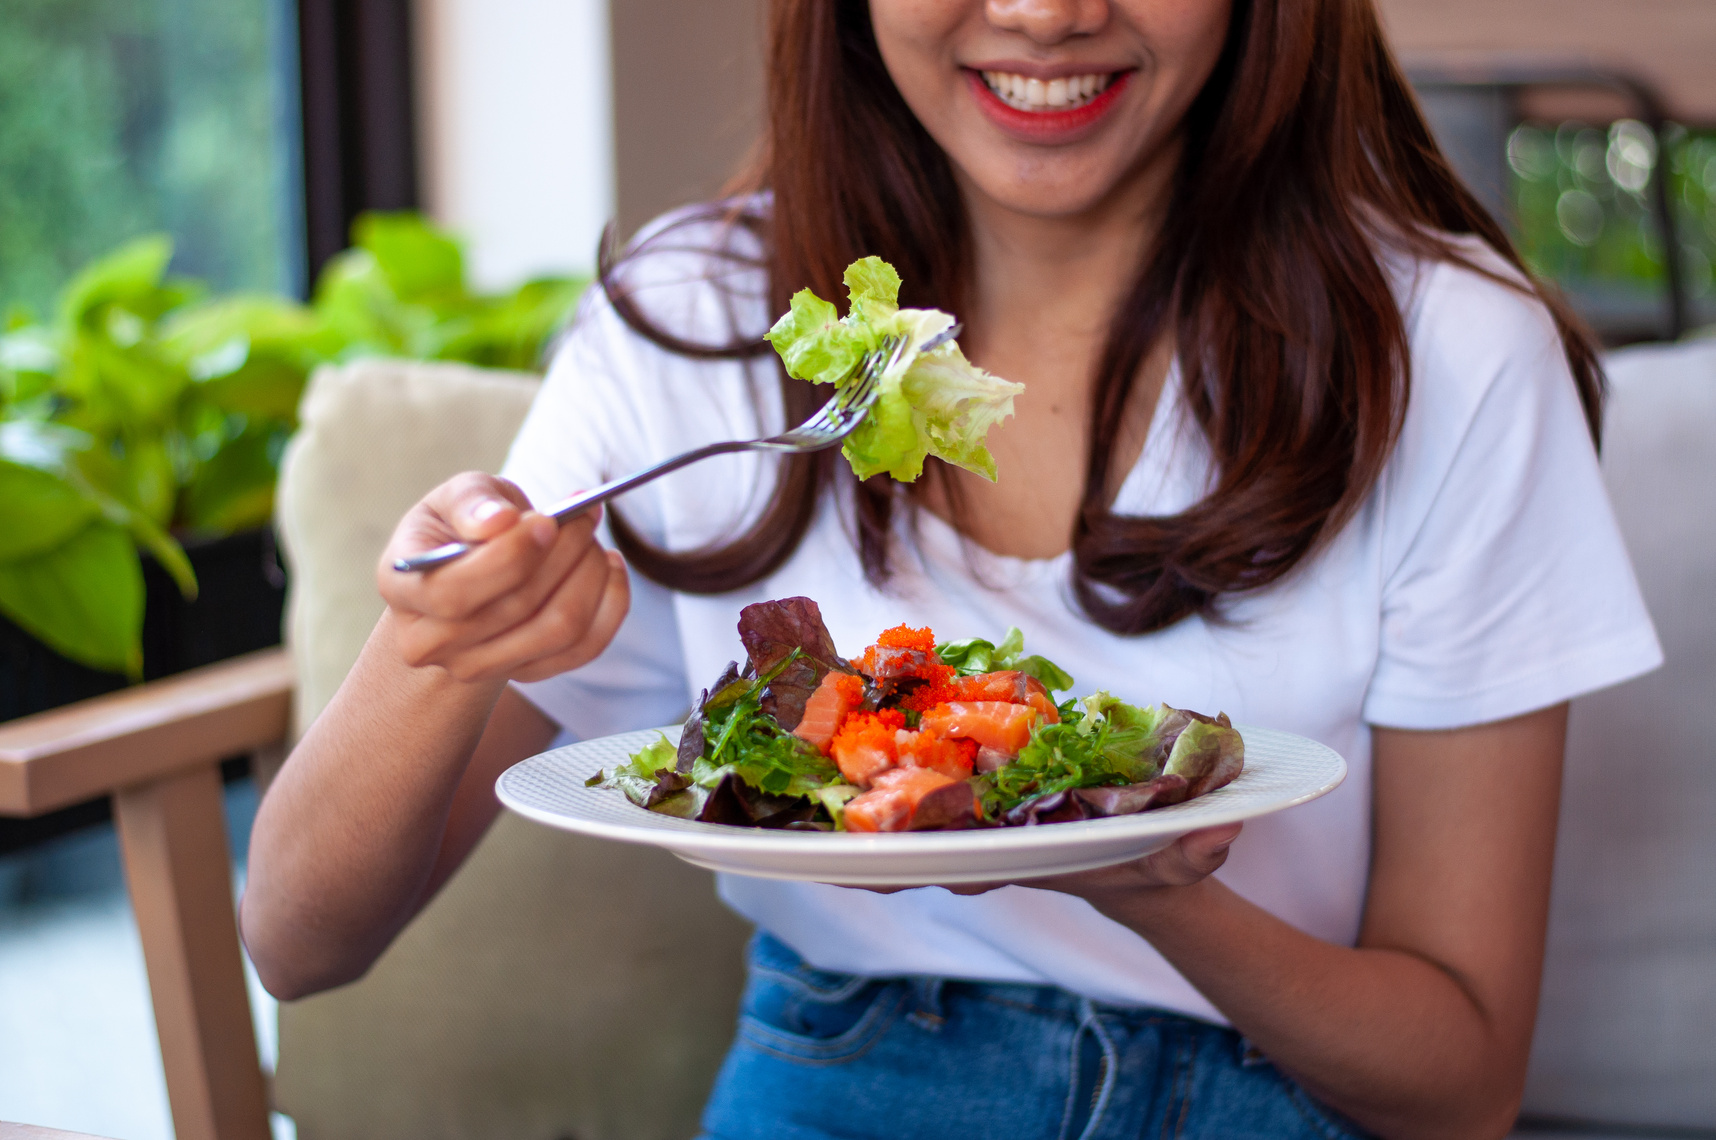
<point>359,117</point>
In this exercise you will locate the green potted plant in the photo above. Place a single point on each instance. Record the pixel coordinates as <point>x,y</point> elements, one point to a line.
<point>147,419</point>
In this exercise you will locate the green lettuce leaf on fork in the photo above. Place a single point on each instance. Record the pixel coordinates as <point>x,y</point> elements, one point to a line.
<point>931,403</point>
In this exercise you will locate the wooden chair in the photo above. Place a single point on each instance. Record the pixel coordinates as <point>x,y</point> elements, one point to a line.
<point>533,985</point>
<point>156,750</point>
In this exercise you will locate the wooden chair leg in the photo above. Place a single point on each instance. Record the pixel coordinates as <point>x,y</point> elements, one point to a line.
<point>172,833</point>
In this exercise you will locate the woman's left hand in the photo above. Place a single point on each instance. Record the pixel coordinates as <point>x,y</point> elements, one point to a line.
<point>1189,859</point>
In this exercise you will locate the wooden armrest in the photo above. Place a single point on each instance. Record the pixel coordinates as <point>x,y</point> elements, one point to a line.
<point>96,747</point>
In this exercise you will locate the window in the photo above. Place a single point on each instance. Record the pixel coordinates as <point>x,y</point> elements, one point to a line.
<point>123,117</point>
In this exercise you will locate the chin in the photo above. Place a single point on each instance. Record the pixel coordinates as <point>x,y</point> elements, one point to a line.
<point>1040,193</point>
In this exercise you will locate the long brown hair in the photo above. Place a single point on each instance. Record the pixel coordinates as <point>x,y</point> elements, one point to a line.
<point>1305,155</point>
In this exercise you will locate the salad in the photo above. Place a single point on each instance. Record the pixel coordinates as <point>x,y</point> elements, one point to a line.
<point>912,735</point>
<point>931,403</point>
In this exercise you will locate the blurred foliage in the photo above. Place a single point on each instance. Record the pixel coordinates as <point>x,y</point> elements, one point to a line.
<point>146,409</point>
<point>1583,203</point>
<point>121,117</point>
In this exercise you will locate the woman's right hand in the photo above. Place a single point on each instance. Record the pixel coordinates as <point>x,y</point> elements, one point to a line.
<point>534,599</point>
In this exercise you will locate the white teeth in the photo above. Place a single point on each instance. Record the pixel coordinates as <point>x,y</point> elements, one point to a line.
<point>1026,93</point>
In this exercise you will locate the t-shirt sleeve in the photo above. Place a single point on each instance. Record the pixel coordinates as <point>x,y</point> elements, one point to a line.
<point>1507,587</point>
<point>579,432</point>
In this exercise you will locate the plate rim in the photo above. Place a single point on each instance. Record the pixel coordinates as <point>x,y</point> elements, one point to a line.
<point>749,841</point>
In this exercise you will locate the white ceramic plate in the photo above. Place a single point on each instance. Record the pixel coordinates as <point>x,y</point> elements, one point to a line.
<point>1281,770</point>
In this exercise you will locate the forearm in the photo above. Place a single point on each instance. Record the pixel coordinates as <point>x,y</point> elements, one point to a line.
<point>1387,1037</point>
<point>346,840</point>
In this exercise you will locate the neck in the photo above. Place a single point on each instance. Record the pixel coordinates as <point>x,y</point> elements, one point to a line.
<point>1058,279</point>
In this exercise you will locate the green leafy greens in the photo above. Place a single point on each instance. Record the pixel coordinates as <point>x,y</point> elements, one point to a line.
<point>1108,742</point>
<point>740,741</point>
<point>975,655</point>
<point>931,403</point>
<point>145,410</point>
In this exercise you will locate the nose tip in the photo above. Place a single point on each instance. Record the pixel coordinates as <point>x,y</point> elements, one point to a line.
<point>1049,21</point>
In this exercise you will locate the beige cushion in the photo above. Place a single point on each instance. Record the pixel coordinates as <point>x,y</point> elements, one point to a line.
<point>558,986</point>
<point>1627,1029</point>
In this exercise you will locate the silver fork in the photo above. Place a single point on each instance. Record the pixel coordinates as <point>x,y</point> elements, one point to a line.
<point>836,420</point>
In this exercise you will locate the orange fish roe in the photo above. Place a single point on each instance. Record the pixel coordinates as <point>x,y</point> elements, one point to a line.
<point>900,637</point>
<point>905,637</point>
<point>938,691</point>
<point>864,746</point>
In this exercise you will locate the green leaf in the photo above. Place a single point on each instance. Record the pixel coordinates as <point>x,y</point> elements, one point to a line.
<point>259,321</point>
<point>975,655</point>
<point>262,387</point>
<point>234,488</point>
<point>29,358</point>
<point>872,289</point>
<point>1054,678</point>
<point>166,550</point>
<point>151,484</point>
<point>929,403</point>
<point>83,599</point>
<point>812,342</point>
<point>419,260</point>
<point>131,273</point>
<point>511,331</point>
<point>38,511</point>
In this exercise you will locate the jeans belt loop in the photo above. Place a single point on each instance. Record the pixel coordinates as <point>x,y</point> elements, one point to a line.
<point>926,1003</point>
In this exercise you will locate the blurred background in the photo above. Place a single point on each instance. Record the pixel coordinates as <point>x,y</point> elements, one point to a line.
<point>201,201</point>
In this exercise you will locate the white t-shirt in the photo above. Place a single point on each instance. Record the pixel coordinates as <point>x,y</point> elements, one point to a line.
<point>1483,578</point>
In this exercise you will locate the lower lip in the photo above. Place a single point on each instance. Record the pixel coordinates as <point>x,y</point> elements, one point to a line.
<point>1047,127</point>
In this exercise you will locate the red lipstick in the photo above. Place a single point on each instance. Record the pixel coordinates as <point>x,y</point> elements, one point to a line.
<point>1047,127</point>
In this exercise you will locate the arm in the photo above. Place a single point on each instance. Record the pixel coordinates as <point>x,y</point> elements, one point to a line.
<point>1423,1029</point>
<point>392,786</point>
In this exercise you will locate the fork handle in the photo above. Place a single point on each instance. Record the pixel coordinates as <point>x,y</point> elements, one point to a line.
<point>574,505</point>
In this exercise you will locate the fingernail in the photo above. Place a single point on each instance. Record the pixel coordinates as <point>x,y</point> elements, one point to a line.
<point>485,510</point>
<point>543,529</point>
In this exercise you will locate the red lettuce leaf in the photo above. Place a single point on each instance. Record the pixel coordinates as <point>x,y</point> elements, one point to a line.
<point>770,632</point>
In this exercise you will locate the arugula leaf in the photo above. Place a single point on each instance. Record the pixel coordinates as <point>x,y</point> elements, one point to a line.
<point>930,403</point>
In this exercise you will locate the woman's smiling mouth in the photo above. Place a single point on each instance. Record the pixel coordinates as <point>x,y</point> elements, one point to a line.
<point>1054,111</point>
<point>1028,93</point>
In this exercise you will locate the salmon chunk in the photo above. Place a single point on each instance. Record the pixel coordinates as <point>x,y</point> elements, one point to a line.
<point>1001,725</point>
<point>837,695</point>
<point>888,806</point>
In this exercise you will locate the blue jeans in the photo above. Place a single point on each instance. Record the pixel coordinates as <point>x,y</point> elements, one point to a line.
<point>822,1055</point>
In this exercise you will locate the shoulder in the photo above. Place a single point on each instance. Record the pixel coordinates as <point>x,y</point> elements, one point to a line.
<point>1482,343</point>
<point>1492,400</point>
<point>1472,320</point>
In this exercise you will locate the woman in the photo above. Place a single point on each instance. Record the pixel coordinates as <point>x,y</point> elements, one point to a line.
<point>1299,441</point>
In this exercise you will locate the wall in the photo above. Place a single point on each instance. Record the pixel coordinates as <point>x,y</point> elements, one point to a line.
<point>516,112</point>
<point>688,98</point>
<point>1669,42</point>
<point>543,119</point>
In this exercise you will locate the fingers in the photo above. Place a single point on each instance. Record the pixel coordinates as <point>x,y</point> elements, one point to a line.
<point>561,622</point>
<point>1192,857</point>
<point>477,506</point>
<point>616,601</point>
<point>513,545</point>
